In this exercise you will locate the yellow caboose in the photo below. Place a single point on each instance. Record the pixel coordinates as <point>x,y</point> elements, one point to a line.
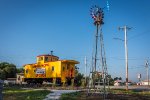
<point>50,69</point>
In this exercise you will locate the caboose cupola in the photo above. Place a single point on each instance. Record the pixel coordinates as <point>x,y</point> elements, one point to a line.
<point>46,58</point>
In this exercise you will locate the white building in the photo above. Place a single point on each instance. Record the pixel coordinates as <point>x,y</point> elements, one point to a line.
<point>145,82</point>
<point>20,78</point>
<point>118,83</point>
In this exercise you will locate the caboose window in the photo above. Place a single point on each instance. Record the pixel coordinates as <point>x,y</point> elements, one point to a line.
<point>63,68</point>
<point>52,68</point>
<point>68,66</point>
<point>40,58</point>
<point>26,71</point>
<point>46,59</point>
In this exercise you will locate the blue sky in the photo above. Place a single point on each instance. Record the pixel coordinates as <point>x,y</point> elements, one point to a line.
<point>32,27</point>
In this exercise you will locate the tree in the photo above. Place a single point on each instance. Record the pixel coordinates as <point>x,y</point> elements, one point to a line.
<point>120,78</point>
<point>111,81</point>
<point>20,70</point>
<point>7,70</point>
<point>3,65</point>
<point>2,75</point>
<point>10,71</point>
<point>78,77</point>
<point>117,78</point>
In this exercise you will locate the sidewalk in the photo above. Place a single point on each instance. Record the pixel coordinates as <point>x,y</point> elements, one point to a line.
<point>57,93</point>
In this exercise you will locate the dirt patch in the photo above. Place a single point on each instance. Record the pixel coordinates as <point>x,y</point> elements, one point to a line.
<point>94,96</point>
<point>116,97</point>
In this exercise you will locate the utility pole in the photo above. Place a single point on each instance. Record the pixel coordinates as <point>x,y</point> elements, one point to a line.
<point>125,28</point>
<point>85,68</point>
<point>147,67</point>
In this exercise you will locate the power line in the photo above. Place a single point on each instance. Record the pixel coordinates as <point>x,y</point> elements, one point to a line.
<point>121,58</point>
<point>137,35</point>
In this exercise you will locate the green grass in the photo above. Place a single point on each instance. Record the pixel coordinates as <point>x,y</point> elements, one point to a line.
<point>70,96</point>
<point>24,94</point>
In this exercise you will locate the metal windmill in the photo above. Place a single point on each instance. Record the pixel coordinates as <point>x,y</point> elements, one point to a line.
<point>98,75</point>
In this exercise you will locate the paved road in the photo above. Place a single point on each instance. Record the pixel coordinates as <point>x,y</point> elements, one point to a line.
<point>57,93</point>
<point>129,87</point>
<point>138,88</point>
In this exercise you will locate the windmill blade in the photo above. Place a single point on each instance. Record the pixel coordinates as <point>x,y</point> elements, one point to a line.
<point>107,5</point>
